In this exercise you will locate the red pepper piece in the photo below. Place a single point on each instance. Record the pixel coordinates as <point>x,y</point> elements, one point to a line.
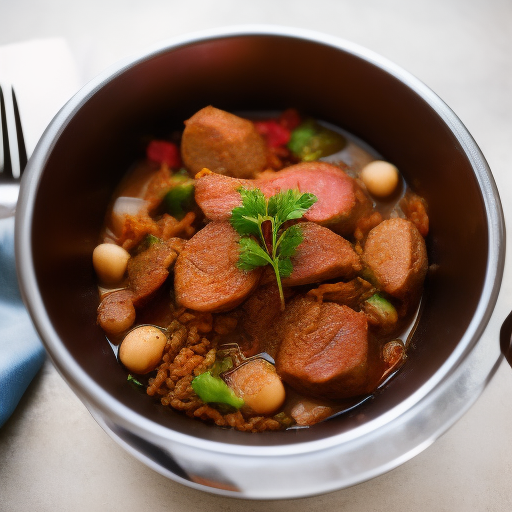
<point>290,119</point>
<point>164,152</point>
<point>275,133</point>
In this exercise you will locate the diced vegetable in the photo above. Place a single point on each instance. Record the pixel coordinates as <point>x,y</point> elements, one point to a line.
<point>212,389</point>
<point>180,199</point>
<point>285,420</point>
<point>221,365</point>
<point>289,118</point>
<point>275,134</point>
<point>311,141</point>
<point>152,240</point>
<point>164,152</point>
<point>380,312</point>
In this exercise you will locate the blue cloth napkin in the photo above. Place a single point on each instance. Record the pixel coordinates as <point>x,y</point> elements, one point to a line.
<point>21,351</point>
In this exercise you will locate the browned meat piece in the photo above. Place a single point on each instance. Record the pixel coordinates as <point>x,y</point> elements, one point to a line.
<point>322,255</point>
<point>206,276</point>
<point>366,223</point>
<point>259,314</point>
<point>224,143</point>
<point>396,255</point>
<point>148,270</point>
<point>324,349</point>
<point>415,209</point>
<point>116,313</point>
<point>133,229</point>
<point>350,294</point>
<point>217,195</point>
<point>340,199</point>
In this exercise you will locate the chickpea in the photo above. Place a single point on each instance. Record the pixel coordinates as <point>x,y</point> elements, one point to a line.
<point>110,261</point>
<point>142,349</point>
<point>259,385</point>
<point>380,178</point>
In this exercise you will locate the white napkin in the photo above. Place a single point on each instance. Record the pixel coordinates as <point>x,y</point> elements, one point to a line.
<point>44,77</point>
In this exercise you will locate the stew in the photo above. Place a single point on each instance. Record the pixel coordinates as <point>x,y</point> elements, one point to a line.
<point>261,273</point>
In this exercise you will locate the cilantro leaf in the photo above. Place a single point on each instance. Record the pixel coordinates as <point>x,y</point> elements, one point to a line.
<point>252,255</point>
<point>289,205</point>
<point>290,240</point>
<point>285,267</point>
<point>246,218</point>
<point>260,246</point>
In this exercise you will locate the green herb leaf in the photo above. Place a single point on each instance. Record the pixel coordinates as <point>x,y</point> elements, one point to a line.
<point>284,267</point>
<point>252,255</point>
<point>289,205</point>
<point>246,218</point>
<point>132,379</point>
<point>290,240</point>
<point>277,246</point>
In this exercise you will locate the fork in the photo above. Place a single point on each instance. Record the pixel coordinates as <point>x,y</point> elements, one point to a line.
<point>13,154</point>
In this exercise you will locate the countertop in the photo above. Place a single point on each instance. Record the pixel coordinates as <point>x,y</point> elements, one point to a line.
<point>55,457</point>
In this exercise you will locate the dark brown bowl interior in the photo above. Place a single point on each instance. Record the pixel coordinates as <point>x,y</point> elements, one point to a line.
<point>249,73</point>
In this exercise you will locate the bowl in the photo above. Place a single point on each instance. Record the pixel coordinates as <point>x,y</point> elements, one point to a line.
<point>93,140</point>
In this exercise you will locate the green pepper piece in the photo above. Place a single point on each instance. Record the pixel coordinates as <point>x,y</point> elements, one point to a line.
<point>381,312</point>
<point>301,135</point>
<point>180,198</point>
<point>311,141</point>
<point>212,389</point>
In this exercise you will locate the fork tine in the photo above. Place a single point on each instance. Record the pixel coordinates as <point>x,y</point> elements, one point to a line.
<point>22,150</point>
<point>10,138</point>
<point>3,142</point>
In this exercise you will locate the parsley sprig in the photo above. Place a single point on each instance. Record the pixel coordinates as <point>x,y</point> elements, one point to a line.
<point>259,223</point>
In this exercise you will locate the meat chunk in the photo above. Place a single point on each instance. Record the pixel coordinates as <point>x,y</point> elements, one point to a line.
<point>322,255</point>
<point>148,270</point>
<point>351,294</point>
<point>340,199</point>
<point>259,316</point>
<point>206,276</point>
<point>396,255</point>
<point>217,195</point>
<point>415,209</point>
<point>324,349</point>
<point>224,143</point>
<point>116,312</point>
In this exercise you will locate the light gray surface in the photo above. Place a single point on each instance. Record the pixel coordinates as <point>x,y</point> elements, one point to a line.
<point>53,456</point>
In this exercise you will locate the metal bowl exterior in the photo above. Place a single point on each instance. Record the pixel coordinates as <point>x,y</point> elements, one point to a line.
<point>370,442</point>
